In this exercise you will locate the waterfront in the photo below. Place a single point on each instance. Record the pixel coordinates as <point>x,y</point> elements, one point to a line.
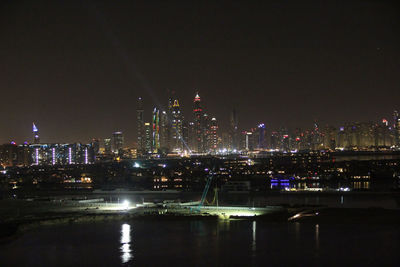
<point>150,242</point>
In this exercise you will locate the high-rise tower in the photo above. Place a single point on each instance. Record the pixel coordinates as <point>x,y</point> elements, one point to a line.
<point>206,129</point>
<point>213,134</point>
<point>107,146</point>
<point>191,136</point>
<point>156,130</point>
<point>177,120</point>
<point>164,131</point>
<point>261,144</point>
<point>147,138</point>
<point>117,142</point>
<point>396,127</point>
<point>36,139</point>
<point>140,127</point>
<point>234,131</point>
<point>198,124</point>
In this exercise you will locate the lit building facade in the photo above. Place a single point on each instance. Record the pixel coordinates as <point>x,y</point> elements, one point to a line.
<point>117,142</point>
<point>164,132</point>
<point>177,127</point>
<point>107,146</point>
<point>62,154</point>
<point>234,134</point>
<point>156,131</point>
<point>198,124</point>
<point>140,126</point>
<point>213,135</point>
<point>148,138</point>
<point>396,127</point>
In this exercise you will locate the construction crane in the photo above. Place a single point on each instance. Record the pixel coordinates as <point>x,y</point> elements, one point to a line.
<point>205,191</point>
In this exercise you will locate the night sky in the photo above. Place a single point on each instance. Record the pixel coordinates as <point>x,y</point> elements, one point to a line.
<point>77,68</point>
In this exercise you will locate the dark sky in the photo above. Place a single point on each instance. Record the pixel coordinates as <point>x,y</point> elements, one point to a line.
<point>77,68</point>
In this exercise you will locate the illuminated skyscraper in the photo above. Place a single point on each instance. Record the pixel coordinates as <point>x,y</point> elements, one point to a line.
<point>247,140</point>
<point>198,124</point>
<point>107,146</point>
<point>234,131</point>
<point>36,139</point>
<point>396,127</point>
<point>156,130</point>
<point>185,135</point>
<point>177,133</point>
<point>192,136</point>
<point>164,131</point>
<point>169,117</point>
<point>117,142</point>
<point>206,133</point>
<point>95,144</point>
<point>213,134</point>
<point>317,139</point>
<point>148,137</point>
<point>140,127</point>
<point>274,140</point>
<point>329,137</point>
<point>261,144</point>
<point>383,136</point>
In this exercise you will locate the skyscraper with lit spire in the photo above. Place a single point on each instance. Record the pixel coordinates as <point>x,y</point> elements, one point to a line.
<point>177,124</point>
<point>198,124</point>
<point>35,131</point>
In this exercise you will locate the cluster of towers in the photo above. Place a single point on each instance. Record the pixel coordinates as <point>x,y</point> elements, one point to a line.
<point>168,131</point>
<point>384,134</point>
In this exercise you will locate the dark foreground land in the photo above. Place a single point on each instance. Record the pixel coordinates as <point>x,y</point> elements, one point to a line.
<point>31,215</point>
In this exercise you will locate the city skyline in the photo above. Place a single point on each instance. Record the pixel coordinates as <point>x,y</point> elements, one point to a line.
<point>78,68</point>
<point>389,120</point>
<point>190,119</point>
<point>200,133</point>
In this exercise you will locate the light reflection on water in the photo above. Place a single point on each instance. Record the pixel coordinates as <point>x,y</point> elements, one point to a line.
<point>206,243</point>
<point>253,244</point>
<point>125,248</point>
<point>317,236</point>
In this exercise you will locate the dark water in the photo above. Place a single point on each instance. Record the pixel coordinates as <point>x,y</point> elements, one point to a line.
<point>205,243</point>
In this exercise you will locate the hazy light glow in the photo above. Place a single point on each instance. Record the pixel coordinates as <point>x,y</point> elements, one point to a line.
<point>125,204</point>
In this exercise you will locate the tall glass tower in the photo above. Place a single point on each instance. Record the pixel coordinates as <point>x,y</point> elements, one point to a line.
<point>177,120</point>
<point>396,126</point>
<point>140,127</point>
<point>36,139</point>
<point>198,124</point>
<point>156,130</point>
<point>117,142</point>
